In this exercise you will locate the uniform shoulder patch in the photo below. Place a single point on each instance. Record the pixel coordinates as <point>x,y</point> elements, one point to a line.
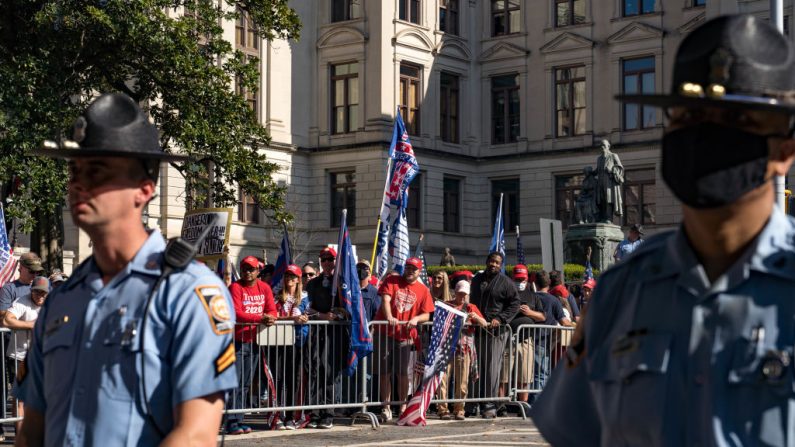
<point>225,359</point>
<point>217,308</point>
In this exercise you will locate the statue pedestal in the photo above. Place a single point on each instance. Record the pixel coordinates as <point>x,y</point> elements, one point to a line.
<point>603,238</point>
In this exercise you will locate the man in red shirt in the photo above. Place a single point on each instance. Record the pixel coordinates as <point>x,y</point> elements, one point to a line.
<point>254,304</point>
<point>403,299</point>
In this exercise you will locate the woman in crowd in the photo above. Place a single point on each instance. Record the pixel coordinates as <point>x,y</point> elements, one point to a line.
<point>465,354</point>
<point>285,361</point>
<point>440,287</point>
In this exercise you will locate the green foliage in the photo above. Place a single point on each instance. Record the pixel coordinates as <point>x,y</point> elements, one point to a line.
<point>572,272</point>
<point>56,54</point>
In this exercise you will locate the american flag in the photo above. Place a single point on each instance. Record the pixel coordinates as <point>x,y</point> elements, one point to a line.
<point>498,237</point>
<point>8,264</point>
<point>447,323</point>
<point>418,253</point>
<point>519,248</point>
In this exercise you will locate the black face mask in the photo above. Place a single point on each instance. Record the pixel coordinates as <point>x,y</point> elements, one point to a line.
<point>363,273</point>
<point>708,165</point>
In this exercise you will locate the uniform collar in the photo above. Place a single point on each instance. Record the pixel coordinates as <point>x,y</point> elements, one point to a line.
<point>771,252</point>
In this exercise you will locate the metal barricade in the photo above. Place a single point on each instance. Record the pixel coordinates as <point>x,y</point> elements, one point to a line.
<point>290,370</point>
<point>538,349</point>
<point>473,374</point>
<point>14,345</point>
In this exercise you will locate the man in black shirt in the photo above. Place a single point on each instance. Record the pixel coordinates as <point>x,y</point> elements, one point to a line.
<point>531,311</point>
<point>553,311</point>
<point>496,297</point>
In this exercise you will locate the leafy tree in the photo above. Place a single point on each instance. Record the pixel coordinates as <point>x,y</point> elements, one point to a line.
<point>171,56</point>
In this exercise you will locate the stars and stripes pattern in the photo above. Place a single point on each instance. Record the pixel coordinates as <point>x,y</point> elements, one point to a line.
<point>418,253</point>
<point>392,246</point>
<point>447,323</point>
<point>520,259</point>
<point>8,264</point>
<point>498,236</point>
<point>588,270</point>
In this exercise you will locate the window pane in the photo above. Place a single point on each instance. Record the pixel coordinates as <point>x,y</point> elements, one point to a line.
<point>648,6</point>
<point>630,116</point>
<point>353,117</point>
<point>503,81</point>
<point>413,95</point>
<point>563,123</point>
<point>562,17</point>
<point>630,84</point>
<point>514,18</point>
<point>415,6</point>
<point>402,9</point>
<point>630,7</point>
<point>442,19</point>
<point>409,70</point>
<point>339,92</point>
<point>645,63</point>
<point>649,116</point>
<point>579,94</point>
<point>577,72</point>
<point>353,91</point>
<point>514,3</point>
<point>497,5</point>
<point>356,9</point>
<point>648,82</point>
<point>562,96</point>
<point>454,103</point>
<point>579,11</point>
<point>339,119</point>
<point>579,121</point>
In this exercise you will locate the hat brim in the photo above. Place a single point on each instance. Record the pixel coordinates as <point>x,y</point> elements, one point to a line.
<point>725,102</point>
<point>79,152</point>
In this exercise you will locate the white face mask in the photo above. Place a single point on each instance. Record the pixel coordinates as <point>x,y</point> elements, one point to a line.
<point>521,286</point>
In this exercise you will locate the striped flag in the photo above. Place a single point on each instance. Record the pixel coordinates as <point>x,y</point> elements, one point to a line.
<point>418,253</point>
<point>588,270</point>
<point>284,259</point>
<point>392,244</point>
<point>498,237</point>
<point>519,248</point>
<point>447,323</point>
<point>8,264</point>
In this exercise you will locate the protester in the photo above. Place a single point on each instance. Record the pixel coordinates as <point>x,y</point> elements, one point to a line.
<point>404,299</point>
<point>29,266</point>
<point>558,288</point>
<point>309,272</point>
<point>266,273</point>
<point>587,290</point>
<point>328,345</point>
<point>496,296</point>
<point>253,302</point>
<point>461,275</point>
<point>630,244</point>
<point>370,298</point>
<point>20,318</point>
<point>440,287</point>
<point>285,362</point>
<point>465,355</point>
<point>546,342</point>
<point>128,352</point>
<point>57,278</point>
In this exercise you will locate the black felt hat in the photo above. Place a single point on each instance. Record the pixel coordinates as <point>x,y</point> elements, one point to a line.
<point>112,126</point>
<point>734,61</point>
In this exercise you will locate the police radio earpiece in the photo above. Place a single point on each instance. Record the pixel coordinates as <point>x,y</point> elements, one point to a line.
<point>178,254</point>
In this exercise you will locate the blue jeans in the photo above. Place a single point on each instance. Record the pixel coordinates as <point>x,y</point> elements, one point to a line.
<point>541,370</point>
<point>246,364</point>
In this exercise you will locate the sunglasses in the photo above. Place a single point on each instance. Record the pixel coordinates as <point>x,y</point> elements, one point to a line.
<point>326,259</point>
<point>309,274</point>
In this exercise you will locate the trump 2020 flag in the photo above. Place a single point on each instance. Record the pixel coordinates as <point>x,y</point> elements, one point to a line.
<point>498,237</point>
<point>393,244</point>
<point>285,258</point>
<point>346,282</point>
<point>447,323</point>
<point>8,265</point>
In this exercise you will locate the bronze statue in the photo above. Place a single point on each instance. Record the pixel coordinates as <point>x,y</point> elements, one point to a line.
<point>448,259</point>
<point>609,179</point>
<point>585,206</point>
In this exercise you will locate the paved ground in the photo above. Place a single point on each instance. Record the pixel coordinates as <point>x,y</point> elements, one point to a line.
<point>472,432</point>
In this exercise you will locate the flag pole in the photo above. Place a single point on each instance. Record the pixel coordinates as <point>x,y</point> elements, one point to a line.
<point>380,211</point>
<point>289,245</point>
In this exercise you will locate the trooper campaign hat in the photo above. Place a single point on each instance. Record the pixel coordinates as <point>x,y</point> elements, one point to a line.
<point>733,61</point>
<point>112,126</point>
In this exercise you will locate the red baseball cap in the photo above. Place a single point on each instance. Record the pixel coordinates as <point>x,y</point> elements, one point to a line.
<point>520,272</point>
<point>465,273</point>
<point>416,262</point>
<point>294,269</point>
<point>590,283</point>
<point>250,261</point>
<point>328,251</point>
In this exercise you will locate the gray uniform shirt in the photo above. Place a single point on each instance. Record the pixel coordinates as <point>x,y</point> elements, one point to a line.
<point>672,360</point>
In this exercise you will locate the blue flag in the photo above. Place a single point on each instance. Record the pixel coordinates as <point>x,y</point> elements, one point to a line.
<point>588,270</point>
<point>285,258</point>
<point>346,282</point>
<point>498,236</point>
<point>392,246</point>
<point>519,248</point>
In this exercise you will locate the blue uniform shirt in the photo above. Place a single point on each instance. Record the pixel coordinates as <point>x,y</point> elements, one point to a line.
<point>625,248</point>
<point>11,292</point>
<point>84,364</point>
<point>674,360</point>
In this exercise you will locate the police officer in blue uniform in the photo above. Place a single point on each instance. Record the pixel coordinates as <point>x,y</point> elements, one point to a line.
<point>690,341</point>
<point>96,375</point>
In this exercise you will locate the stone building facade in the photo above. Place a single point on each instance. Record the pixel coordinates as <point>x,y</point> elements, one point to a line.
<point>508,96</point>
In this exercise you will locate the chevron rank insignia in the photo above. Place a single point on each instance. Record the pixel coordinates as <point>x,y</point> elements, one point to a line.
<point>225,360</point>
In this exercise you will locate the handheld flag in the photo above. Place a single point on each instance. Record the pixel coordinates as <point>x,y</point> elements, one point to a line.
<point>285,258</point>
<point>519,248</point>
<point>392,245</point>
<point>8,264</point>
<point>346,283</point>
<point>498,236</point>
<point>447,323</point>
<point>418,253</point>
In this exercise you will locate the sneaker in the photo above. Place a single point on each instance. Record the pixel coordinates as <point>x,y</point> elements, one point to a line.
<point>445,416</point>
<point>326,422</point>
<point>459,416</point>
<point>386,414</point>
<point>472,410</point>
<point>490,413</point>
<point>246,429</point>
<point>313,421</point>
<point>290,425</point>
<point>502,411</point>
<point>235,429</point>
<point>278,425</point>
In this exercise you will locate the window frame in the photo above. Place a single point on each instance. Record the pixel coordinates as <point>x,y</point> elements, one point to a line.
<point>412,116</point>
<point>248,42</point>
<point>449,94</point>
<point>505,13</point>
<point>409,11</point>
<point>643,202</point>
<point>571,18</point>
<point>245,202</point>
<point>572,108</point>
<point>349,10</point>
<point>507,93</point>
<point>347,186</point>
<point>348,79</point>
<point>640,108</point>
<point>451,219</point>
<point>640,8</point>
<point>448,16</point>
